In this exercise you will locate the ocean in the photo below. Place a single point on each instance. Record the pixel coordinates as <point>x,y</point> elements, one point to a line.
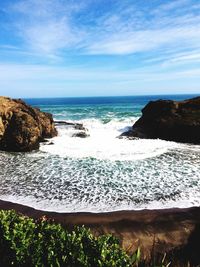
<point>101,173</point>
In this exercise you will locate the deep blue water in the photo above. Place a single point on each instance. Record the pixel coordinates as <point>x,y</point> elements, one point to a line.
<point>138,100</point>
<point>103,108</point>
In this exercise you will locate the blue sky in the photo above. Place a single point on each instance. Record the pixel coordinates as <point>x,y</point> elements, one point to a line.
<point>52,48</point>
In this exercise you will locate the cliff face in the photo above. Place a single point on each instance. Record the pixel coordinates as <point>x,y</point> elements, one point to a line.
<point>169,120</point>
<point>23,127</point>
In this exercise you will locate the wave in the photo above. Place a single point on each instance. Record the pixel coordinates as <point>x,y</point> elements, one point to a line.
<point>103,143</point>
<point>102,173</point>
<point>54,205</point>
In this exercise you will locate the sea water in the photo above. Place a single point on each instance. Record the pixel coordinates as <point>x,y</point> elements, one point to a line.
<point>101,172</point>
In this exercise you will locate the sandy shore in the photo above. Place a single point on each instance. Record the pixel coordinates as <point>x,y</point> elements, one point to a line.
<point>163,230</point>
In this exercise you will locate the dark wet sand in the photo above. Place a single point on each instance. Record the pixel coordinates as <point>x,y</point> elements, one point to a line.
<point>163,230</point>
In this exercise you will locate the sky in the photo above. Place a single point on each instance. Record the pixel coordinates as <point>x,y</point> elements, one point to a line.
<point>64,48</point>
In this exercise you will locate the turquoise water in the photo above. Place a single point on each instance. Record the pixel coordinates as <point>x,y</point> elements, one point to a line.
<point>103,108</point>
<point>101,172</point>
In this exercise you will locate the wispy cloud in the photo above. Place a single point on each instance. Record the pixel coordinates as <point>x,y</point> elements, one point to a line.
<point>57,74</point>
<point>42,81</point>
<point>183,58</point>
<point>52,26</point>
<point>146,40</point>
<point>172,5</point>
<point>45,26</point>
<point>148,30</point>
<point>121,43</point>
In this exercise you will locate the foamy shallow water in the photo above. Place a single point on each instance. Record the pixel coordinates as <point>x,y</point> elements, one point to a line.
<point>103,142</point>
<point>102,173</point>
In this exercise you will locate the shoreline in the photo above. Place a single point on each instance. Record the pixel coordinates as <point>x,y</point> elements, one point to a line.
<point>164,230</point>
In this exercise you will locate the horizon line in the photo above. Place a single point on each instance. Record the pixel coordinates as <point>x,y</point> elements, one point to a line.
<point>105,96</point>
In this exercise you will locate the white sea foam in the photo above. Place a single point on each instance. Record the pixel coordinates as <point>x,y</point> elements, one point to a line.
<point>74,206</point>
<point>104,144</point>
<point>102,173</point>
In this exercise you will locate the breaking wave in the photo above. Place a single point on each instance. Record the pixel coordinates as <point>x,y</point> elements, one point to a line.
<point>102,172</point>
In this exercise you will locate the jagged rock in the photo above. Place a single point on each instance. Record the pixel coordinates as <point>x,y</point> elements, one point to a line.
<point>169,120</point>
<point>81,134</point>
<point>23,127</point>
<point>44,141</point>
<point>127,135</point>
<point>50,144</point>
<point>79,127</point>
<point>76,126</point>
<point>64,123</point>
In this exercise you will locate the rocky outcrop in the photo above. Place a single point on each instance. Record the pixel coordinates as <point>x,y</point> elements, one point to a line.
<point>81,134</point>
<point>80,130</point>
<point>23,127</point>
<point>169,120</point>
<point>76,126</point>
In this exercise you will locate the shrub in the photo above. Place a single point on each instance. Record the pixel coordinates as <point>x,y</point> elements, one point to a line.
<point>28,243</point>
<point>25,242</point>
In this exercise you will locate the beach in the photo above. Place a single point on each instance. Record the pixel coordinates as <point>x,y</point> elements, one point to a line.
<point>99,127</point>
<point>143,191</point>
<point>101,172</point>
<point>172,231</point>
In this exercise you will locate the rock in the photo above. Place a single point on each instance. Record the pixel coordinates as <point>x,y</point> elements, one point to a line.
<point>64,123</point>
<point>127,135</point>
<point>50,144</point>
<point>81,130</point>
<point>44,141</point>
<point>81,134</point>
<point>79,127</point>
<point>169,120</point>
<point>22,127</point>
<point>76,126</point>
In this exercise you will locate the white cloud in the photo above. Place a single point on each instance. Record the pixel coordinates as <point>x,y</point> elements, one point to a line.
<point>9,47</point>
<point>49,37</point>
<point>184,58</point>
<point>28,73</point>
<point>146,40</point>
<point>172,5</point>
<point>51,28</point>
<point>45,26</point>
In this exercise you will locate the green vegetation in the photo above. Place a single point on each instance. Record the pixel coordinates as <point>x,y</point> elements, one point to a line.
<point>25,242</point>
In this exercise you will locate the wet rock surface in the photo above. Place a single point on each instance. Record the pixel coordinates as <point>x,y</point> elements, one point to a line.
<point>23,127</point>
<point>81,132</point>
<point>169,120</point>
<point>77,126</point>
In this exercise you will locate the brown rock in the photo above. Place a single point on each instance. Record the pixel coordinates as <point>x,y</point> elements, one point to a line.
<point>169,120</point>
<point>76,126</point>
<point>23,127</point>
<point>82,134</point>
